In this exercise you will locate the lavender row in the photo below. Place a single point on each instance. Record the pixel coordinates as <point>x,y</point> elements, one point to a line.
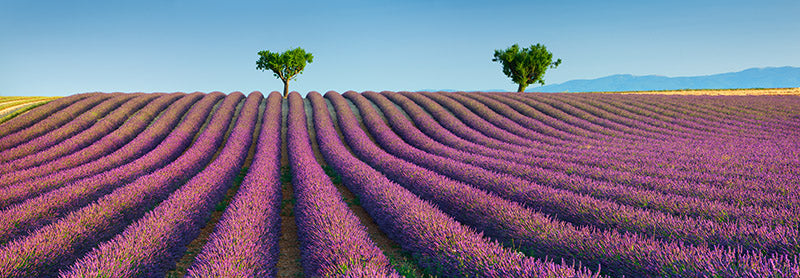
<point>610,139</point>
<point>77,125</point>
<point>628,148</point>
<point>493,117</point>
<point>783,105</point>
<point>576,208</point>
<point>115,123</point>
<point>497,117</point>
<point>131,157</point>
<point>784,108</point>
<point>612,154</point>
<point>442,245</point>
<point>618,254</point>
<point>707,109</point>
<point>34,116</point>
<point>53,247</point>
<point>605,171</point>
<point>485,127</point>
<point>611,113</point>
<point>611,122</point>
<point>758,215</point>
<point>152,245</point>
<point>687,176</point>
<point>762,131</point>
<point>501,133</point>
<point>332,240</point>
<point>531,124</point>
<point>616,140</point>
<point>556,118</point>
<point>134,138</point>
<point>675,117</point>
<point>706,126</point>
<point>651,145</point>
<point>578,108</point>
<point>746,146</point>
<point>560,115</point>
<point>709,128</point>
<point>724,173</point>
<point>45,208</point>
<point>720,132</point>
<point>734,124</point>
<point>607,160</point>
<point>52,122</point>
<point>508,124</point>
<point>501,121</point>
<point>522,166</point>
<point>712,112</point>
<point>498,138</point>
<point>468,129</point>
<point>245,241</point>
<point>651,119</point>
<point>743,172</point>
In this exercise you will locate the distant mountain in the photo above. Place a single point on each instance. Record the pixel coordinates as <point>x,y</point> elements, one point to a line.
<point>770,77</point>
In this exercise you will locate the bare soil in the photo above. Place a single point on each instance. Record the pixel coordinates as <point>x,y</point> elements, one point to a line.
<point>401,260</point>
<point>289,255</point>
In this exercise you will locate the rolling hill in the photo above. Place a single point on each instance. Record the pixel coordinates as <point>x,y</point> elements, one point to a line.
<point>769,77</point>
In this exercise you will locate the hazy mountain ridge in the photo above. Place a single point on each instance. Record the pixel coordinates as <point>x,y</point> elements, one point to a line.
<point>769,77</point>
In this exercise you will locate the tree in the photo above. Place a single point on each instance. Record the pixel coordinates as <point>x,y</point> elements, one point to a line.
<point>286,65</point>
<point>527,65</point>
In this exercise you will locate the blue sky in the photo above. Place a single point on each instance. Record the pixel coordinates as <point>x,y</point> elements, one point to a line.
<point>66,47</point>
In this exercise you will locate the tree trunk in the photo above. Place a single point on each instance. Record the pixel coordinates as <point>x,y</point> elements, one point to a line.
<point>521,88</point>
<point>286,89</point>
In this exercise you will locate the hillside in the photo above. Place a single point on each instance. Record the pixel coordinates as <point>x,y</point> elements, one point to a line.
<point>770,77</point>
<point>413,184</point>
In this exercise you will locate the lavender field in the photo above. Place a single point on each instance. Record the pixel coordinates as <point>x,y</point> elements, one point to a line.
<point>395,184</point>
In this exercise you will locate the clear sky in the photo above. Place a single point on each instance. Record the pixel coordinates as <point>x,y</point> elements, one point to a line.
<point>65,47</point>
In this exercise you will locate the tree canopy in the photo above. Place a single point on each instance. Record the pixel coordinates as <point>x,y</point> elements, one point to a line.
<point>286,65</point>
<point>527,65</point>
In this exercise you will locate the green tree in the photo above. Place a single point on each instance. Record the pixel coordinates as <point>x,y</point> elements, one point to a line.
<point>527,65</point>
<point>286,65</point>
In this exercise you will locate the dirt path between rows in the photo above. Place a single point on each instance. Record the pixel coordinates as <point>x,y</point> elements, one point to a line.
<point>289,255</point>
<point>400,260</point>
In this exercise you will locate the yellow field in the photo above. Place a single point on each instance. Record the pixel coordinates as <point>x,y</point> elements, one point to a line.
<point>6,102</point>
<point>13,106</point>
